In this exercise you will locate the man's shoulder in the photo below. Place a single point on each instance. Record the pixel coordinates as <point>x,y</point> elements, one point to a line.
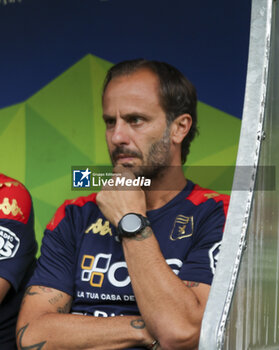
<point>15,200</point>
<point>76,202</point>
<point>200,195</point>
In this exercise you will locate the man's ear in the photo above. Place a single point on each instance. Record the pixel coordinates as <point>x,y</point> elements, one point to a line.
<point>180,127</point>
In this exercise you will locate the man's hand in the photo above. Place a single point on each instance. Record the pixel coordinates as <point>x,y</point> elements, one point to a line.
<point>115,202</point>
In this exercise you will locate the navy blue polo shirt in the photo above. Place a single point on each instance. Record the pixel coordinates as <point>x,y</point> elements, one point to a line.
<point>81,257</point>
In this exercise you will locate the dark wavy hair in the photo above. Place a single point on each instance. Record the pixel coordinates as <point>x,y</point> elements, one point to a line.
<point>176,93</point>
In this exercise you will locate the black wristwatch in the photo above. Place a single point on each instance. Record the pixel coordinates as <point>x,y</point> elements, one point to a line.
<point>130,225</point>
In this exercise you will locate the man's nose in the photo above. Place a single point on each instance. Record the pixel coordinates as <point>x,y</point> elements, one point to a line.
<point>120,134</point>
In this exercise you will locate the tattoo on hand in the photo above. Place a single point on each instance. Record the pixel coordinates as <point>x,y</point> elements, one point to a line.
<point>145,233</point>
<point>138,324</point>
<point>191,284</point>
<point>20,334</point>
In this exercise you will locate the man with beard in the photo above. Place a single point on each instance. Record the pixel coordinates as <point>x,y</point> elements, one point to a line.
<point>143,258</point>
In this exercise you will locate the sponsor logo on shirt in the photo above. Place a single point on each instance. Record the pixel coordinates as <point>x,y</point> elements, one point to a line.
<point>9,243</point>
<point>98,227</point>
<point>95,268</point>
<point>183,227</point>
<point>101,313</point>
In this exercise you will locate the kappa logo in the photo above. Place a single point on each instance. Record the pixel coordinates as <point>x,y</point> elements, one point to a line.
<point>9,243</point>
<point>183,227</point>
<point>9,184</point>
<point>99,227</point>
<point>211,195</point>
<point>8,208</point>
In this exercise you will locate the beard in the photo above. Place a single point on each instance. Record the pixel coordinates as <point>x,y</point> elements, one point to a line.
<point>156,161</point>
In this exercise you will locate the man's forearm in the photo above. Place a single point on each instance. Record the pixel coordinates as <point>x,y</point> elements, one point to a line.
<point>65,331</point>
<point>169,308</point>
<point>44,323</point>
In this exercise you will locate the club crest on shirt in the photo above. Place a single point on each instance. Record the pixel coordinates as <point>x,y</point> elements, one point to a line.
<point>98,227</point>
<point>183,227</point>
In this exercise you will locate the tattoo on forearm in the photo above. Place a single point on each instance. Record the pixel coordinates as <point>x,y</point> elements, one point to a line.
<point>147,232</point>
<point>46,289</point>
<point>138,323</point>
<point>191,284</point>
<point>66,308</point>
<point>27,292</point>
<point>20,334</point>
<point>55,299</point>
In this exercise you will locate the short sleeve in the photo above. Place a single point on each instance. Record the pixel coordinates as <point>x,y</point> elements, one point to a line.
<point>200,263</point>
<point>18,246</point>
<point>55,267</point>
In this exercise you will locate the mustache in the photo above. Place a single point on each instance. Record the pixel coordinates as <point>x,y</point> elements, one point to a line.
<point>126,151</point>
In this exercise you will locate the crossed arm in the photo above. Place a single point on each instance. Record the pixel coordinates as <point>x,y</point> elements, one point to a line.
<point>171,310</point>
<point>45,323</point>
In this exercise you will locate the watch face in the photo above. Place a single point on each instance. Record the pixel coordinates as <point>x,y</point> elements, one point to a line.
<point>131,223</point>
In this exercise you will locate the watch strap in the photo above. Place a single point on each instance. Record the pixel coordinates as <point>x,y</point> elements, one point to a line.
<point>120,232</point>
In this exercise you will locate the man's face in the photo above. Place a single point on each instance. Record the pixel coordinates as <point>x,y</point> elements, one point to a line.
<point>136,128</point>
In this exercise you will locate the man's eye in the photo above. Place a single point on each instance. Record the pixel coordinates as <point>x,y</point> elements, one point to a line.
<point>135,120</point>
<point>110,123</point>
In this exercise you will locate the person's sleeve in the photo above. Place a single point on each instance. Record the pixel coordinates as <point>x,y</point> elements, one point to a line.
<point>55,267</point>
<point>17,238</point>
<point>201,261</point>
